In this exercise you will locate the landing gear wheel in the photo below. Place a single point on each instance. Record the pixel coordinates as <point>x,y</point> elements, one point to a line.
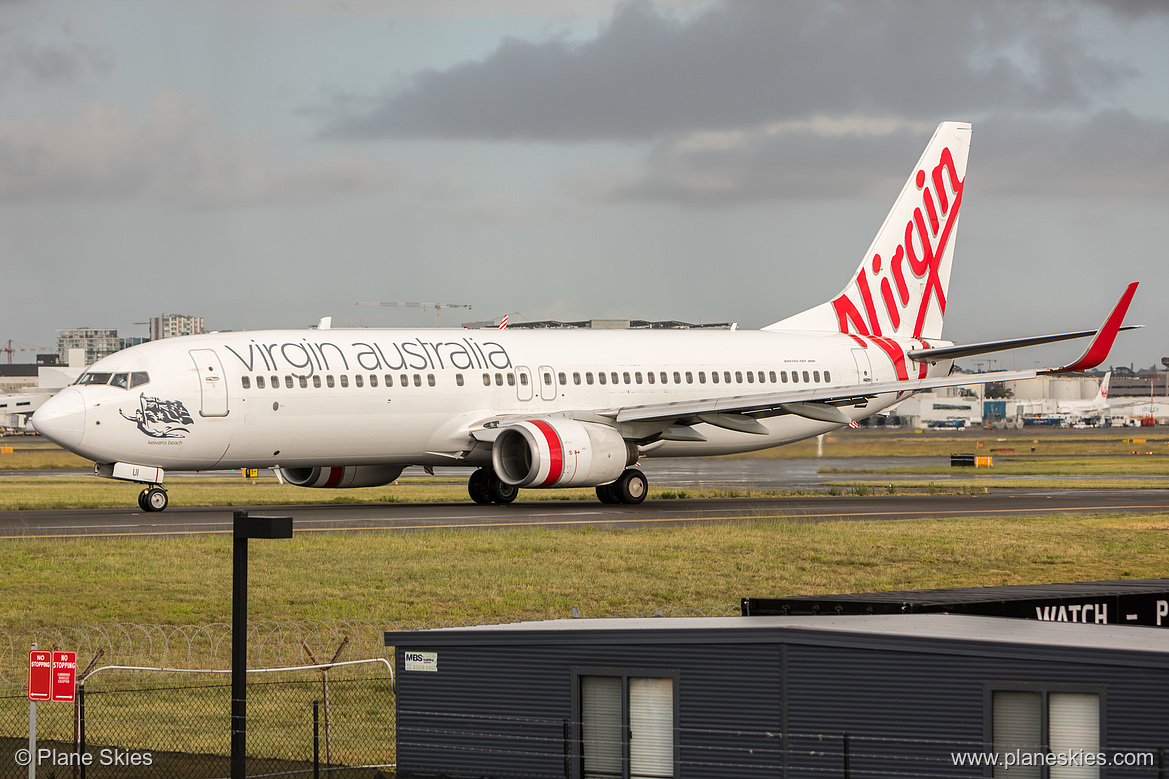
<point>606,493</point>
<point>500,491</point>
<point>631,487</point>
<point>153,499</point>
<point>478,488</point>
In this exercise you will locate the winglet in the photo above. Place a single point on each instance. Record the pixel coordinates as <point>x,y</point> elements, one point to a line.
<point>1097,351</point>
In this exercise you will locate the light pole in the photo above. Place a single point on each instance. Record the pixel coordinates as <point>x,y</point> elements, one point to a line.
<point>243,528</point>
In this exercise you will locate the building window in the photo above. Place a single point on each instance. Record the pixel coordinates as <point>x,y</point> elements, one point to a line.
<point>1034,723</point>
<point>627,726</point>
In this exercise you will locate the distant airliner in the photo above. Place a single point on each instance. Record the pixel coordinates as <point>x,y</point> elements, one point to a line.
<point>353,407</point>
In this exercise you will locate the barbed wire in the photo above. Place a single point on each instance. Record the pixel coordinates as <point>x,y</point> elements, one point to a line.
<point>270,644</point>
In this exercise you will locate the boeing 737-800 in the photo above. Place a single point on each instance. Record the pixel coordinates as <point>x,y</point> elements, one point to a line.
<point>352,407</point>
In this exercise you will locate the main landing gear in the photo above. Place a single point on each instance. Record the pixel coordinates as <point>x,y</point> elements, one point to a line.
<point>486,487</point>
<point>630,488</point>
<point>153,498</point>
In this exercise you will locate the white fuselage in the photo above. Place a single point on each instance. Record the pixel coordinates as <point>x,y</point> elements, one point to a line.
<point>299,398</point>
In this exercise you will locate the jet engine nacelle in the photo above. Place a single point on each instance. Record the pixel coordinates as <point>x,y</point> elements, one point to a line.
<point>560,453</point>
<point>342,476</point>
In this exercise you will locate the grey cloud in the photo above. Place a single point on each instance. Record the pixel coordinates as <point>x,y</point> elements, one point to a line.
<point>1109,154</point>
<point>50,64</point>
<point>648,74</point>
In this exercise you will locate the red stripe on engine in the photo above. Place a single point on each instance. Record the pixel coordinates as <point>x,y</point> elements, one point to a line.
<point>335,475</point>
<point>555,452</point>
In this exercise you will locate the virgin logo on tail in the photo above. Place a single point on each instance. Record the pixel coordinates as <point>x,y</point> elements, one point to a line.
<point>922,248</point>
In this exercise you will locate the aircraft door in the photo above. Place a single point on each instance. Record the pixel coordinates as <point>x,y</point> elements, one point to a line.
<point>523,387</point>
<point>547,380</point>
<point>864,369</point>
<point>212,383</point>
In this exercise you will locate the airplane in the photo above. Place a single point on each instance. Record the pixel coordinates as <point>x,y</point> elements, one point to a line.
<point>341,407</point>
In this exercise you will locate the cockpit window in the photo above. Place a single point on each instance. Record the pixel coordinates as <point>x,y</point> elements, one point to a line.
<point>138,378</point>
<point>121,380</point>
<point>94,378</point>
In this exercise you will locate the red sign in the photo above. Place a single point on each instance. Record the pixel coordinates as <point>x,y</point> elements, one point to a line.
<point>52,676</point>
<point>64,676</point>
<point>40,675</point>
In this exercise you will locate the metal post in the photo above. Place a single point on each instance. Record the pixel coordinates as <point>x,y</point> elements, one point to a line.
<point>239,649</point>
<point>847,766</point>
<point>316,740</point>
<point>32,731</point>
<point>81,724</point>
<point>243,528</point>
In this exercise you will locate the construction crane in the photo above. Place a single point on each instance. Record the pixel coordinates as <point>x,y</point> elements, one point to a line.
<point>438,307</point>
<point>9,349</point>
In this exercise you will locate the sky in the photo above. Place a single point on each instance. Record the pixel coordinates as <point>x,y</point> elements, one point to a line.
<point>266,163</point>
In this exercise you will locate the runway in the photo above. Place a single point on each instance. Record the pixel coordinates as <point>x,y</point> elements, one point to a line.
<point>399,517</point>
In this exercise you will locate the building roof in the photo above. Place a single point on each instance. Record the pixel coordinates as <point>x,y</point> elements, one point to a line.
<point>936,633</point>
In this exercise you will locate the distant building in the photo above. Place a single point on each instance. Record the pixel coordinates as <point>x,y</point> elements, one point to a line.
<point>96,343</point>
<point>174,325</point>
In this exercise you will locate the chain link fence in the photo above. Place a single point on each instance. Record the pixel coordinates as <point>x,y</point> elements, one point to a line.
<point>155,701</point>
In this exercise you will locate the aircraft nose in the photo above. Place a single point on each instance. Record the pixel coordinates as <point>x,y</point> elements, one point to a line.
<point>61,418</point>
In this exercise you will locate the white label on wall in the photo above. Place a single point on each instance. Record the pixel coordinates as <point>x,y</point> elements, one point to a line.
<point>422,661</point>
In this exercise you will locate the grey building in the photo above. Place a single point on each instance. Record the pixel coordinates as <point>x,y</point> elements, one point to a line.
<point>917,695</point>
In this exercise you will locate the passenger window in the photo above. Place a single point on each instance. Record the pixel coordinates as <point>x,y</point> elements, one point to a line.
<point>510,380</point>
<point>589,378</point>
<point>613,376</point>
<point>761,380</point>
<point>405,380</point>
<point>714,376</point>
<point>524,379</point>
<point>417,379</point>
<point>816,376</point>
<point>288,382</point>
<point>330,382</point>
<point>702,377</point>
<point>576,377</point>
<point>625,375</point>
<point>689,377</point>
<point>275,382</point>
<point>304,382</point>
<point>358,380</point>
<point>344,380</point>
<point>637,377</point>
<point>665,378</point>
<point>389,379</point>
<point>430,379</point>
<point>738,377</point>
<point>259,382</point>
<point>137,379</point>
<point>373,380</point>
<point>726,377</point>
<point>677,378</point>
<point>486,379</point>
<point>563,378</point>
<point>547,379</point>
<point>750,377</point>
<point>459,379</point>
<point>827,377</point>
<point>649,376</point>
<point>783,376</point>
<point>795,377</point>
<point>317,382</point>
<point>499,380</point>
<point>771,376</point>
<point>247,382</point>
<point>806,376</point>
<point>601,377</point>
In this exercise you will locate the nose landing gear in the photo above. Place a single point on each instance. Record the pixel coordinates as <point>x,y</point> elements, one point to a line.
<point>153,498</point>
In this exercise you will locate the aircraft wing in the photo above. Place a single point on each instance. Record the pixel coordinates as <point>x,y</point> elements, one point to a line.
<point>823,403</point>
